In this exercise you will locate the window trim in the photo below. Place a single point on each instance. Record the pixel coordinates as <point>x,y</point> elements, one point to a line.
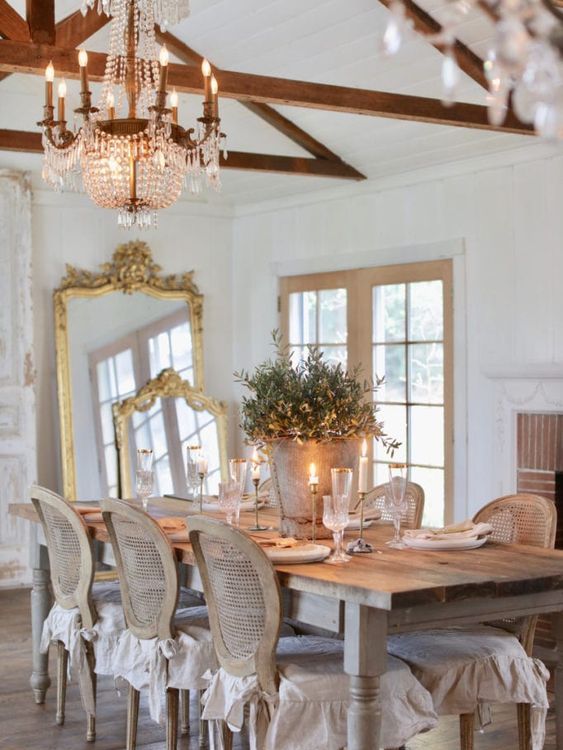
<point>358,284</point>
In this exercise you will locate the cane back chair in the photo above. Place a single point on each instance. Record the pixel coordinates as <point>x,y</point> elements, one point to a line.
<point>412,517</point>
<point>71,561</point>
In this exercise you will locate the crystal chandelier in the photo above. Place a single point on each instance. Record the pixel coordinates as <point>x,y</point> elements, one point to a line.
<point>136,162</point>
<point>524,64</point>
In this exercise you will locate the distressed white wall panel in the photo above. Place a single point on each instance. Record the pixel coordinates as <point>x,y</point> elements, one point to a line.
<point>17,374</point>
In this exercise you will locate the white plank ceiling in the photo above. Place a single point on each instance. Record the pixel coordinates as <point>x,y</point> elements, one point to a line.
<point>327,41</point>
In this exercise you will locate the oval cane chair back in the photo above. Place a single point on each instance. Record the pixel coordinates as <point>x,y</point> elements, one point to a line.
<point>71,556</point>
<point>521,519</point>
<point>146,567</point>
<point>412,517</point>
<point>243,598</point>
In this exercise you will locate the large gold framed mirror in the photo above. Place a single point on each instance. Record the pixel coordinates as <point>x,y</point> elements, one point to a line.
<point>166,416</point>
<point>115,330</point>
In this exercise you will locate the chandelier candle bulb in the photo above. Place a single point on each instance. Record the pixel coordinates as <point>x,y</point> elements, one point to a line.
<point>49,78</point>
<point>163,58</point>
<point>174,106</point>
<point>83,62</point>
<point>62,94</point>
<point>363,474</point>
<point>214,91</point>
<point>206,71</point>
<point>111,106</point>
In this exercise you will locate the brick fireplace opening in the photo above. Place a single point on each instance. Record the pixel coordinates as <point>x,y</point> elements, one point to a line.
<point>539,468</point>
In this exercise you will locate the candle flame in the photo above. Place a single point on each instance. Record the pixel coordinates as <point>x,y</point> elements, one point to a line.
<point>312,470</point>
<point>163,56</point>
<point>214,86</point>
<point>365,448</point>
<point>205,67</point>
<point>83,58</point>
<point>50,73</point>
<point>62,89</point>
<point>173,98</point>
<point>111,100</point>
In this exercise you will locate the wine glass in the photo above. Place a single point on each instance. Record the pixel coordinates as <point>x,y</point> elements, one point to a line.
<point>192,473</point>
<point>237,472</point>
<point>229,501</point>
<point>335,518</point>
<point>396,501</point>
<point>144,475</point>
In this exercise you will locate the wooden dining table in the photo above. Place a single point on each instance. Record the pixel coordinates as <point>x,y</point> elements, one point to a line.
<point>387,591</point>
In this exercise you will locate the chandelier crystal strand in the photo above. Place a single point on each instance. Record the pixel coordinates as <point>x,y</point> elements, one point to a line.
<point>165,12</point>
<point>525,60</point>
<point>130,151</point>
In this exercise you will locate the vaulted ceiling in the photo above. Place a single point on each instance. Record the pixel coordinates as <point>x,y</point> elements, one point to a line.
<point>320,41</point>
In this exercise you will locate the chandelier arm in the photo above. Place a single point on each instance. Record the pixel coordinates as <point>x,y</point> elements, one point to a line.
<point>553,9</point>
<point>69,138</point>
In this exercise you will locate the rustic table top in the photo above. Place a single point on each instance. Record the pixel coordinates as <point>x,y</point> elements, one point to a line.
<point>390,578</point>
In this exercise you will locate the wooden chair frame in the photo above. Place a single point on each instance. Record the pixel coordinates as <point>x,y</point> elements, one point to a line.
<point>263,661</point>
<point>81,598</point>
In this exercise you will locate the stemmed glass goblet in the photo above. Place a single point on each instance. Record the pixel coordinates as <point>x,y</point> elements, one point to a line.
<point>335,511</point>
<point>237,472</point>
<point>144,475</point>
<point>192,472</point>
<point>396,501</point>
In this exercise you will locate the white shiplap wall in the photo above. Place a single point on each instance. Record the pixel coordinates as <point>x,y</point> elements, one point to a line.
<point>508,303</point>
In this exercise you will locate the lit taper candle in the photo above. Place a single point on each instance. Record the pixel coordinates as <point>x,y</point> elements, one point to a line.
<point>214,92</point>
<point>49,78</point>
<point>206,71</point>
<point>62,94</point>
<point>174,106</point>
<point>363,478</point>
<point>83,62</point>
<point>163,58</point>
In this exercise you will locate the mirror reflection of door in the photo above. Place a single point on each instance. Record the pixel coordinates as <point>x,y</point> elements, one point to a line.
<point>117,343</point>
<point>167,428</point>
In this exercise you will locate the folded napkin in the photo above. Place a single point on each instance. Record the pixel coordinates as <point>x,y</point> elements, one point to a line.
<point>464,530</point>
<point>171,523</point>
<point>278,542</point>
<point>94,516</point>
<point>370,514</point>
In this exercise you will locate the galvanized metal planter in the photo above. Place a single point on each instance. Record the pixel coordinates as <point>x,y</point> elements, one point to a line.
<point>289,464</point>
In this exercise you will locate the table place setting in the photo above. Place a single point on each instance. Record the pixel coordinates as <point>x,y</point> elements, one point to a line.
<point>459,536</point>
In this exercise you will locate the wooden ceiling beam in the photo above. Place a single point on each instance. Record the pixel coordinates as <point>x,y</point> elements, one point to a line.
<point>40,16</point>
<point>12,25</point>
<point>30,142</point>
<point>267,113</point>
<point>424,23</point>
<point>76,28</point>
<point>30,58</point>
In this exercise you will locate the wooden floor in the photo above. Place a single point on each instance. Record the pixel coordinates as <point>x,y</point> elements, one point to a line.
<point>25,726</point>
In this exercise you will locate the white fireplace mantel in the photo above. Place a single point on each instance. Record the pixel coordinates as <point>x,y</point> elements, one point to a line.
<point>533,389</point>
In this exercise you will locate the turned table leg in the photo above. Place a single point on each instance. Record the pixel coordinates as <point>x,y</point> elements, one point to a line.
<point>558,632</point>
<point>40,606</point>
<point>365,655</point>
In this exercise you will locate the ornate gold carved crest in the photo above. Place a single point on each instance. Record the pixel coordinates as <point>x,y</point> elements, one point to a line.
<point>130,269</point>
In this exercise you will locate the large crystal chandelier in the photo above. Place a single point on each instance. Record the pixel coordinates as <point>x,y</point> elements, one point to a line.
<point>524,65</point>
<point>130,151</point>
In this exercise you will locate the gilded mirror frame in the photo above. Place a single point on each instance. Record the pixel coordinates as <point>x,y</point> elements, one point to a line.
<point>131,269</point>
<point>168,384</point>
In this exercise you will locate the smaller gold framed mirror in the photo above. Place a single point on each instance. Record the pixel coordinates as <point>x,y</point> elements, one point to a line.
<point>114,330</point>
<point>166,416</point>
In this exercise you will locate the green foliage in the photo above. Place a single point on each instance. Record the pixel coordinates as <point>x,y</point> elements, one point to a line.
<point>313,401</point>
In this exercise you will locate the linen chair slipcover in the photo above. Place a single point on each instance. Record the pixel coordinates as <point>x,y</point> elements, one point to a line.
<point>162,649</point>
<point>295,688</point>
<point>87,618</point>
<point>412,517</point>
<point>466,667</point>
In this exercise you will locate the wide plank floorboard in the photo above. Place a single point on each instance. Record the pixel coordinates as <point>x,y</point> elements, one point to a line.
<point>25,726</point>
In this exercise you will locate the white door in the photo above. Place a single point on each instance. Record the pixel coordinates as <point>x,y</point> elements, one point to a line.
<point>17,394</point>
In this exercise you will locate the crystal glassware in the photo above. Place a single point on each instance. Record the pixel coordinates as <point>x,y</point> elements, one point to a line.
<point>192,472</point>
<point>229,501</point>
<point>396,501</point>
<point>237,472</point>
<point>335,518</point>
<point>144,475</point>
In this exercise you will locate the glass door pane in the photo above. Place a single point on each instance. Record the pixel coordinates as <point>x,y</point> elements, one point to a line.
<point>319,317</point>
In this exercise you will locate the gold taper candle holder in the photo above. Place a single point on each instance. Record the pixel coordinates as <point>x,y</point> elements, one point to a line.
<point>359,545</point>
<point>201,475</point>
<point>257,526</point>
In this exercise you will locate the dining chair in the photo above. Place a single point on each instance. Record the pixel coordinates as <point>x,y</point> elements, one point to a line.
<point>412,517</point>
<point>468,667</point>
<point>163,649</point>
<point>86,619</point>
<point>295,687</point>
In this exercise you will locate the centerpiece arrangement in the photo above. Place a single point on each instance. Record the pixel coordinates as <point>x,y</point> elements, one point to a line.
<point>313,412</point>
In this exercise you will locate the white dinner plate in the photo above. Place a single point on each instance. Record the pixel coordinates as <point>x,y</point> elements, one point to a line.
<point>304,553</point>
<point>216,508</point>
<point>444,544</point>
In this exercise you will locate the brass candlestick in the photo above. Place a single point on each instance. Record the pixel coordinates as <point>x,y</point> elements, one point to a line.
<point>359,545</point>
<point>313,488</point>
<point>201,475</point>
<point>257,526</point>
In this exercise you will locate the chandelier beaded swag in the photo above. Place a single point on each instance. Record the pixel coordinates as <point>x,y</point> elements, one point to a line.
<point>130,150</point>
